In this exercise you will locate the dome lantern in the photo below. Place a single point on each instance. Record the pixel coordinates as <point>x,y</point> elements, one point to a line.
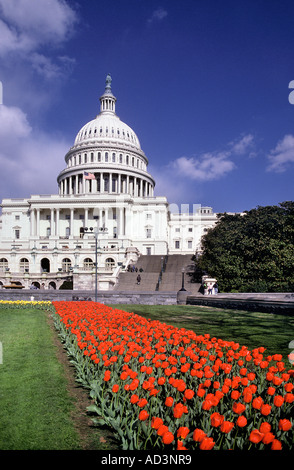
<point>107,100</point>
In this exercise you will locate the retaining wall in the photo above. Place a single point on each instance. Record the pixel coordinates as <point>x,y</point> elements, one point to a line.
<point>107,297</point>
<point>271,303</point>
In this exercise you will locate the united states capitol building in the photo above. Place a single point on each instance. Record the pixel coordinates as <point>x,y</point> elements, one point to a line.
<point>104,219</point>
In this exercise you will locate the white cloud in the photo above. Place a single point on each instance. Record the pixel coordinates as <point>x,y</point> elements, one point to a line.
<point>29,160</point>
<point>27,26</point>
<point>50,69</point>
<point>157,15</point>
<point>13,124</point>
<point>212,165</point>
<point>205,168</point>
<point>177,180</point>
<point>240,147</point>
<point>33,23</point>
<point>282,155</point>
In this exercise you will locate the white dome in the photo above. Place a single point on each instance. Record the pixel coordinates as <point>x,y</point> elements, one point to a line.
<point>107,126</point>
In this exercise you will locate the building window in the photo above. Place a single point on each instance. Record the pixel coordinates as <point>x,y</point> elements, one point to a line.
<point>17,217</point>
<point>148,233</point>
<point>48,232</point>
<point>106,156</point>
<point>127,159</point>
<point>24,265</point>
<point>3,264</point>
<point>99,156</point>
<point>177,229</point>
<point>92,157</point>
<point>17,234</point>
<point>189,245</point>
<point>190,229</point>
<point>113,157</point>
<point>120,158</point>
<point>66,265</point>
<point>109,264</point>
<point>88,264</point>
<point>177,244</point>
<point>148,216</point>
<point>148,250</point>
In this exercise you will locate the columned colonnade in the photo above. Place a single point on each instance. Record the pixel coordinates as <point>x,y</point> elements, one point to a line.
<point>106,182</point>
<point>88,217</point>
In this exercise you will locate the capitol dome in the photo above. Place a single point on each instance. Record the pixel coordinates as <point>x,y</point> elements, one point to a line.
<point>107,125</point>
<point>107,151</point>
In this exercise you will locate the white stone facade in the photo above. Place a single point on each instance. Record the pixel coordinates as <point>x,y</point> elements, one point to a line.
<point>105,189</point>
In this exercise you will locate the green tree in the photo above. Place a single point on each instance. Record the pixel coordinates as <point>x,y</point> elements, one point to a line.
<point>252,251</point>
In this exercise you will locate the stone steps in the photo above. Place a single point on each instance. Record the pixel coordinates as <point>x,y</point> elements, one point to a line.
<point>171,278</point>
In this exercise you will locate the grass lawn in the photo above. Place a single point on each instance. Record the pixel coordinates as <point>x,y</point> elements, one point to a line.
<point>35,405</point>
<point>252,329</point>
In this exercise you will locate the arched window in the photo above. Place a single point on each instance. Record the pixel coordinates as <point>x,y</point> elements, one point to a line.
<point>24,265</point>
<point>88,264</point>
<point>106,156</point>
<point>3,264</point>
<point>66,265</point>
<point>109,264</point>
<point>45,265</point>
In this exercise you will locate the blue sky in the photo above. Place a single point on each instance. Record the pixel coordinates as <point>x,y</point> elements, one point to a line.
<point>204,84</point>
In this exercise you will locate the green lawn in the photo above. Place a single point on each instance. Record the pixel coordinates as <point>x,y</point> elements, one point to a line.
<point>34,403</point>
<point>253,329</point>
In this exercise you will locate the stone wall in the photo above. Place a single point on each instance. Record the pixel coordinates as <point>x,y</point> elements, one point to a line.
<point>107,297</point>
<point>270,303</point>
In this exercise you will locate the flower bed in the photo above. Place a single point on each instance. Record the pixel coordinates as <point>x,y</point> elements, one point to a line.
<point>25,303</point>
<point>161,387</point>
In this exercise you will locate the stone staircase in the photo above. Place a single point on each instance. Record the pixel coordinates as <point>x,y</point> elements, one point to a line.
<point>172,276</point>
<point>171,280</point>
<point>151,265</point>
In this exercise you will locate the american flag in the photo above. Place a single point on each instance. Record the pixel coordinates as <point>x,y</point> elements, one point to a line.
<point>89,176</point>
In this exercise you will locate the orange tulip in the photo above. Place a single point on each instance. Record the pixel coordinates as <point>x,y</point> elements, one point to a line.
<point>183,432</point>
<point>285,424</point>
<point>276,445</point>
<point>168,437</point>
<point>207,443</point>
<point>241,421</point>
<point>278,401</point>
<point>255,436</point>
<point>198,435</point>
<point>216,419</point>
<point>226,426</point>
<point>143,415</point>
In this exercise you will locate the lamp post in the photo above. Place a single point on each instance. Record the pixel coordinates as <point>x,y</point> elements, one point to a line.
<point>183,281</point>
<point>96,232</point>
